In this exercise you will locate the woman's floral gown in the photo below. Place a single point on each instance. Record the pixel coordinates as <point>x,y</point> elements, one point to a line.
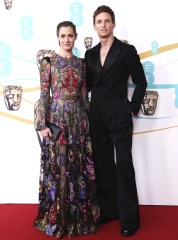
<point>67,191</point>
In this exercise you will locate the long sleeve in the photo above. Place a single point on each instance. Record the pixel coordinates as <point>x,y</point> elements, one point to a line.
<point>138,78</point>
<point>42,105</point>
<point>84,91</point>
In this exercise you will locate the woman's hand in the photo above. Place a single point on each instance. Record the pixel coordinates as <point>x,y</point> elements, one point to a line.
<point>46,133</point>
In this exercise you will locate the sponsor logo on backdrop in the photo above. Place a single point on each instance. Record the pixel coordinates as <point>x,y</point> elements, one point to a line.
<point>76,9</point>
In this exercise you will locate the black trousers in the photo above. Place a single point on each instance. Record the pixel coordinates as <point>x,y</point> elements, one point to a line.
<point>111,126</point>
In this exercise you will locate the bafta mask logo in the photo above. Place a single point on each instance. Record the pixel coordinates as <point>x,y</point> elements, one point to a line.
<point>8,4</point>
<point>88,41</point>
<point>41,54</point>
<point>149,103</point>
<point>12,97</point>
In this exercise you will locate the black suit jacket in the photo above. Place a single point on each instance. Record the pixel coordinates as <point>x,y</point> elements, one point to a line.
<point>111,79</point>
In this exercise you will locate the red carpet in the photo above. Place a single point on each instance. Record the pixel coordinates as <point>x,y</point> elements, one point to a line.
<point>157,223</point>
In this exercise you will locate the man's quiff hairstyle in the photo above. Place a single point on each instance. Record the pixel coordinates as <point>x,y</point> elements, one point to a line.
<point>104,8</point>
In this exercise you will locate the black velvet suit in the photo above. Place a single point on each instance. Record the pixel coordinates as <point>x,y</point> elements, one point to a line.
<point>111,126</point>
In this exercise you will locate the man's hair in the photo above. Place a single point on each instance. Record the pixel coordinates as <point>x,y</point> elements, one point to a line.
<point>104,8</point>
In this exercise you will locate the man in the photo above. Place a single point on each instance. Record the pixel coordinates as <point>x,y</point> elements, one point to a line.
<point>109,65</point>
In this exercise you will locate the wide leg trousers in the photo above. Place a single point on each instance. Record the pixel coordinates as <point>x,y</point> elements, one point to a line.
<point>111,126</point>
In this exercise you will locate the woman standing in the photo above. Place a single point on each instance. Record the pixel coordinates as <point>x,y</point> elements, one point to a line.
<point>67,197</point>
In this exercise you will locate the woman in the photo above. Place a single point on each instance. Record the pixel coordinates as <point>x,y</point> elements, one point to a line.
<point>67,199</point>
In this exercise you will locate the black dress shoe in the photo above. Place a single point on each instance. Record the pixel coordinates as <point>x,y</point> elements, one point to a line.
<point>127,232</point>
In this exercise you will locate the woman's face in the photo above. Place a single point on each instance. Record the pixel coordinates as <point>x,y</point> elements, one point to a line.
<point>66,37</point>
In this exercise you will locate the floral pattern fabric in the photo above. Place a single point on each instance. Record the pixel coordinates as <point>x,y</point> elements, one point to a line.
<point>67,192</point>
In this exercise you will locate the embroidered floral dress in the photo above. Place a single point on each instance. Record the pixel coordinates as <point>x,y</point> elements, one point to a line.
<point>67,192</point>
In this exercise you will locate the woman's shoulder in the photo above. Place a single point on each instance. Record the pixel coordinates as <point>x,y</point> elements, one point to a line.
<point>44,54</point>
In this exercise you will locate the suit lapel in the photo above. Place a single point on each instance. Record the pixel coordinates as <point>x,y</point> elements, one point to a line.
<point>110,59</point>
<point>96,59</point>
<point>113,53</point>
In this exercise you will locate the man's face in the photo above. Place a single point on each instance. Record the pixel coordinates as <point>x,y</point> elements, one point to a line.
<point>149,103</point>
<point>104,25</point>
<point>12,97</point>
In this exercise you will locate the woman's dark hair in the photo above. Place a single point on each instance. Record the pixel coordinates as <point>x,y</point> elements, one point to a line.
<point>101,9</point>
<point>66,24</point>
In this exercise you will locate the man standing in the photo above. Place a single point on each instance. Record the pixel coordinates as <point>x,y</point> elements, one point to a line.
<point>109,65</point>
